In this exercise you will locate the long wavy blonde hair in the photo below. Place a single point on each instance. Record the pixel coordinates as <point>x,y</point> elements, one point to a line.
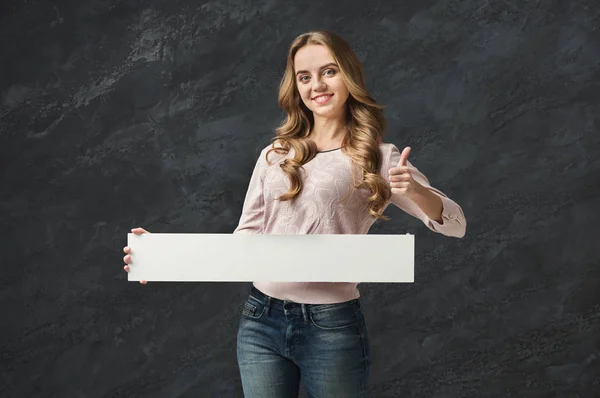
<point>365,123</point>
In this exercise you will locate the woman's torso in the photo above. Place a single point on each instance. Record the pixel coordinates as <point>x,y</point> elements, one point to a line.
<point>329,203</point>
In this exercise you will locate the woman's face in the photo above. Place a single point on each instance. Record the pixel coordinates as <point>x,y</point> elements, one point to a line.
<point>319,81</point>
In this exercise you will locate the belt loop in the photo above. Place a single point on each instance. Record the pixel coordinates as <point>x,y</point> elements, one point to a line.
<point>304,313</point>
<point>268,304</point>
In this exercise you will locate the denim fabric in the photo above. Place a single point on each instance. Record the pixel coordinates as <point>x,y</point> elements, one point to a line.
<point>280,342</point>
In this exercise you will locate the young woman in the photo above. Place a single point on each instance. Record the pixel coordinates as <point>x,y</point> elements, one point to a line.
<point>326,172</point>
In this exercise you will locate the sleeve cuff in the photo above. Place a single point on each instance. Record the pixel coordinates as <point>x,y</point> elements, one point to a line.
<point>453,220</point>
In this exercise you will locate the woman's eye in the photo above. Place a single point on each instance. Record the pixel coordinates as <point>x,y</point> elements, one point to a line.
<point>329,72</point>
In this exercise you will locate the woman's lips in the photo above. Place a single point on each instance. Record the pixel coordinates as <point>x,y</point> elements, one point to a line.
<point>322,99</point>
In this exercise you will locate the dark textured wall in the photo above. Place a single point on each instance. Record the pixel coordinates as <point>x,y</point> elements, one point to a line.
<point>117,114</point>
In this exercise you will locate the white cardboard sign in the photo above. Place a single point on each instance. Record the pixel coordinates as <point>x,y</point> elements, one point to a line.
<point>178,257</point>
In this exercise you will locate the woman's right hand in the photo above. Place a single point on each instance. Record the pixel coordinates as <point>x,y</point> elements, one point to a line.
<point>127,250</point>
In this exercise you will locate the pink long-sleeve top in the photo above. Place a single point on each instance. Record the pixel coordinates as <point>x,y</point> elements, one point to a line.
<point>327,204</point>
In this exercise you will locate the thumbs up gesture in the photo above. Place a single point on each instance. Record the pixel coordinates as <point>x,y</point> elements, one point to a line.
<point>401,181</point>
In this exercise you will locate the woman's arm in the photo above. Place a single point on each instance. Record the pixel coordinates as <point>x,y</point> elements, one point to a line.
<point>427,203</point>
<point>252,218</point>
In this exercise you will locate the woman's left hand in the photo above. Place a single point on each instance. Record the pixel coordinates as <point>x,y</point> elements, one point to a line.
<point>401,181</point>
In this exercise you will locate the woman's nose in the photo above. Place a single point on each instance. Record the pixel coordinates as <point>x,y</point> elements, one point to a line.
<point>318,84</point>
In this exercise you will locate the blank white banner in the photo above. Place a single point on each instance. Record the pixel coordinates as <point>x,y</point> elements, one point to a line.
<point>173,257</point>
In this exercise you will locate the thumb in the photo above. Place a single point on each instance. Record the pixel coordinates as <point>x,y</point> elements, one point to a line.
<point>404,156</point>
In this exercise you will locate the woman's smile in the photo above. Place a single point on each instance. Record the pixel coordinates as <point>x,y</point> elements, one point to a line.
<point>322,98</point>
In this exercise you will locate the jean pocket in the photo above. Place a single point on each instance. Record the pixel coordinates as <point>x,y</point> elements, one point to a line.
<point>253,308</point>
<point>336,318</point>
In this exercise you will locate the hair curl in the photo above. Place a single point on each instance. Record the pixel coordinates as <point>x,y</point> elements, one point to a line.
<point>364,121</point>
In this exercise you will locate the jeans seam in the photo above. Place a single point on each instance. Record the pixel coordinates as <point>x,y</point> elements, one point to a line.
<point>253,316</point>
<point>363,342</point>
<point>344,305</point>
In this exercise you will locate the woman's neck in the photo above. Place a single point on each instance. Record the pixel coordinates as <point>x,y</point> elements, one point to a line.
<point>328,135</point>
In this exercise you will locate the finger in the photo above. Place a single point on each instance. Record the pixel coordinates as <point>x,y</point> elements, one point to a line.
<point>127,259</point>
<point>126,249</point>
<point>398,170</point>
<point>143,282</point>
<point>139,231</point>
<point>400,177</point>
<point>404,156</point>
<point>126,268</point>
<point>401,184</point>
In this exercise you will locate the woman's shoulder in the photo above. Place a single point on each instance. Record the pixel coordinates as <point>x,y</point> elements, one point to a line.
<point>387,148</point>
<point>274,152</point>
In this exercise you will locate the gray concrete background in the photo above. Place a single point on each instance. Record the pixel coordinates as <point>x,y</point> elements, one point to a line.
<point>117,114</point>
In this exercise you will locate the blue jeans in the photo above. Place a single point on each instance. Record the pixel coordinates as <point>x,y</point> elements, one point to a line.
<point>279,342</point>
